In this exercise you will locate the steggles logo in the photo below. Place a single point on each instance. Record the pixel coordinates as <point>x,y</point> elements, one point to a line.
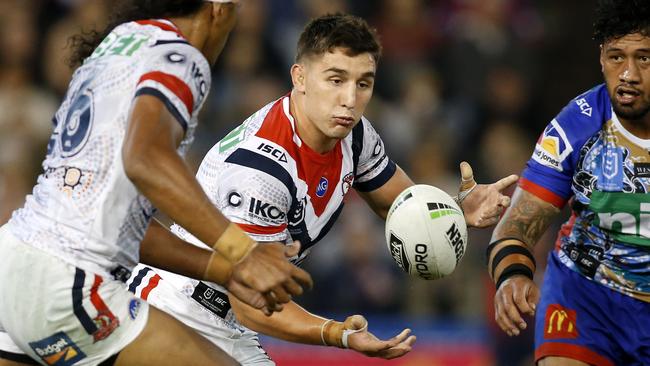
<point>560,323</point>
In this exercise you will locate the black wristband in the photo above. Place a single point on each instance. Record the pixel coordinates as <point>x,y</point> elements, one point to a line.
<point>506,251</point>
<point>493,244</point>
<point>514,269</point>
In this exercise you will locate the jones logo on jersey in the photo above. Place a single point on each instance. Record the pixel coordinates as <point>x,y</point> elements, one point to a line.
<point>265,211</point>
<point>553,147</point>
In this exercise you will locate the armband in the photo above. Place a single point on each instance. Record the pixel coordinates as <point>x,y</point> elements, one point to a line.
<point>507,257</point>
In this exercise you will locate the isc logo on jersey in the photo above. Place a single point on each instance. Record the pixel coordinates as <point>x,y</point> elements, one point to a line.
<point>553,147</point>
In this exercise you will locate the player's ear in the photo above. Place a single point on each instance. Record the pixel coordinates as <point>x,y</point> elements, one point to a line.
<point>298,77</point>
<point>602,59</point>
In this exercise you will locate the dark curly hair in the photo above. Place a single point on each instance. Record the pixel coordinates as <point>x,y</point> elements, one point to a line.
<point>617,18</point>
<point>83,44</point>
<point>329,31</point>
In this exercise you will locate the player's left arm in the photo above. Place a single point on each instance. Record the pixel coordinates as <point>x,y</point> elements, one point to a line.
<point>481,203</point>
<point>382,198</point>
<point>295,324</point>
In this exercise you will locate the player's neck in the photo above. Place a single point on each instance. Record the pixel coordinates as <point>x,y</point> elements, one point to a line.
<point>195,30</point>
<point>639,128</point>
<point>306,129</point>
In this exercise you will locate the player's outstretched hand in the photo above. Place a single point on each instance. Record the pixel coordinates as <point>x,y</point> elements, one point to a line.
<point>482,203</point>
<point>516,296</point>
<point>265,279</point>
<point>361,340</point>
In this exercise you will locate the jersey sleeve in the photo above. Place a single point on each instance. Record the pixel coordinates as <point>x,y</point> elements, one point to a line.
<point>178,75</point>
<point>255,200</point>
<point>549,172</point>
<point>374,167</point>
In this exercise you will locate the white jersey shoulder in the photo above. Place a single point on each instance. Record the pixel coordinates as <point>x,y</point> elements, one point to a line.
<point>84,209</point>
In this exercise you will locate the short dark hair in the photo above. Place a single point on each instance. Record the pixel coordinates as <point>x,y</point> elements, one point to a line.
<point>331,31</point>
<point>125,11</point>
<point>617,18</point>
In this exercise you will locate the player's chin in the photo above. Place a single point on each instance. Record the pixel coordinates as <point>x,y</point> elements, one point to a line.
<point>340,132</point>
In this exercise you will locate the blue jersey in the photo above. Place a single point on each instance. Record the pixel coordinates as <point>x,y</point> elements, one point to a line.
<point>587,157</point>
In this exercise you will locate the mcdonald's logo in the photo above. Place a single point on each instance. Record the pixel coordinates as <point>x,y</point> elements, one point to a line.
<point>560,323</point>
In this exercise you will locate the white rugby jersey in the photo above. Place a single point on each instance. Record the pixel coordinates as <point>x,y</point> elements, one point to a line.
<point>265,179</point>
<point>83,208</point>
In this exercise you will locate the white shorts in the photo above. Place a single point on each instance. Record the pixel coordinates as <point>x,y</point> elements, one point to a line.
<point>59,314</point>
<point>175,295</point>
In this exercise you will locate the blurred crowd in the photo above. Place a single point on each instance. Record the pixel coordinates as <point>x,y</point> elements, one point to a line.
<point>473,80</point>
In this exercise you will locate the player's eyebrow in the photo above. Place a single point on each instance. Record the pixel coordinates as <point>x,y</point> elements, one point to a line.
<point>336,70</point>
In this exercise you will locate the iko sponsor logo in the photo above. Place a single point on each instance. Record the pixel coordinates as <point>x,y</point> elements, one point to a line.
<point>322,187</point>
<point>199,80</point>
<point>585,108</point>
<point>265,210</point>
<point>398,253</point>
<point>234,199</point>
<point>58,350</point>
<point>271,150</point>
<point>456,241</point>
<point>134,308</point>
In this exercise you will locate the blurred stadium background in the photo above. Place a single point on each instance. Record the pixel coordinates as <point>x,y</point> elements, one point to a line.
<point>473,80</point>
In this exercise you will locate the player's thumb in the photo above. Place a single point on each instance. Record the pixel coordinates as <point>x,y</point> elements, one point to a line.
<point>355,322</point>
<point>292,249</point>
<point>466,176</point>
<point>247,295</point>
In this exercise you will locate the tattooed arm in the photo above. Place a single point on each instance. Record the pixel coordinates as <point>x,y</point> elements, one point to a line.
<point>526,219</point>
<point>522,225</point>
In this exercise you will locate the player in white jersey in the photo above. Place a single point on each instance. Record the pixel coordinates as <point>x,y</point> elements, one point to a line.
<point>283,175</point>
<point>116,153</point>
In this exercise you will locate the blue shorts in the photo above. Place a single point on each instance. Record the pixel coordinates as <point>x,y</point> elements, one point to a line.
<point>580,319</point>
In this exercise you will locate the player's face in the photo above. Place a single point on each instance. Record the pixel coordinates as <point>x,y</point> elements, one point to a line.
<point>626,67</point>
<point>337,88</point>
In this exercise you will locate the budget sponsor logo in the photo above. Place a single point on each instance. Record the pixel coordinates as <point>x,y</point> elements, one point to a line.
<point>57,350</point>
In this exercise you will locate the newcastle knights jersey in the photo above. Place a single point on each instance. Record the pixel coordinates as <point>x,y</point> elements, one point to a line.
<point>83,208</point>
<point>586,155</point>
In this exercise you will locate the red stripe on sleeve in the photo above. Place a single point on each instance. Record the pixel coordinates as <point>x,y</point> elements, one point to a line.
<point>174,84</point>
<point>153,282</point>
<point>161,25</point>
<point>262,230</point>
<point>542,193</point>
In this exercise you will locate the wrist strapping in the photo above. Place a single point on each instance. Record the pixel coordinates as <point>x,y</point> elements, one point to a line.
<point>507,257</point>
<point>231,248</point>
<point>333,333</point>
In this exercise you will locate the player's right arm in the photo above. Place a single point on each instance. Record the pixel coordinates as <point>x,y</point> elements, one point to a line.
<point>295,324</point>
<point>521,227</point>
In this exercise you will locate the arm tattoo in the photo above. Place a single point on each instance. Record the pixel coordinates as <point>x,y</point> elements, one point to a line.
<point>527,218</point>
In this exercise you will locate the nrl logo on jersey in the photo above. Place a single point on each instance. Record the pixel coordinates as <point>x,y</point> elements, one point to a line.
<point>552,147</point>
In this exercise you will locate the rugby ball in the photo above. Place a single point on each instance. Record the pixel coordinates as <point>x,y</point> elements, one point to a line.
<point>426,232</point>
